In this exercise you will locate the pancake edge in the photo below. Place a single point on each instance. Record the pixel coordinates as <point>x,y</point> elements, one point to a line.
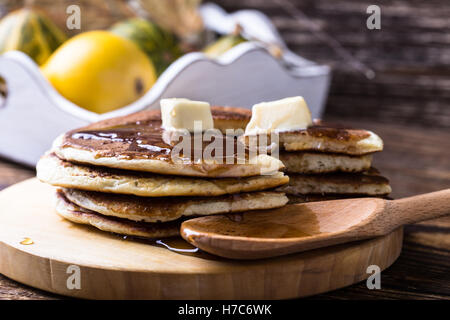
<point>191,207</point>
<point>52,170</point>
<point>76,214</point>
<point>258,165</point>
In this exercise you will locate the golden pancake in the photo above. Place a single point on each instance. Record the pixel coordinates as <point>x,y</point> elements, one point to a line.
<point>328,138</point>
<point>230,118</point>
<point>74,213</point>
<point>135,142</point>
<point>57,172</point>
<point>172,208</point>
<point>316,162</point>
<point>369,183</point>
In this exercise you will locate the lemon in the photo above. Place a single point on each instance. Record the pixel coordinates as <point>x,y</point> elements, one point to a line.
<point>100,71</point>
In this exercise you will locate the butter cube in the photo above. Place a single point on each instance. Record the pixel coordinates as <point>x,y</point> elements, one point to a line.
<point>179,114</point>
<point>277,116</point>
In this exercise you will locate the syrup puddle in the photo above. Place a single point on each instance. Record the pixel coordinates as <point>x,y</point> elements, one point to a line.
<point>26,241</point>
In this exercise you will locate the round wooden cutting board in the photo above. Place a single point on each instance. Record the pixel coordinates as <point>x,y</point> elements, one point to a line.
<point>81,261</point>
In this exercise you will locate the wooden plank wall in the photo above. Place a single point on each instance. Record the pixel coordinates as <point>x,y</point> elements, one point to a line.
<point>410,54</point>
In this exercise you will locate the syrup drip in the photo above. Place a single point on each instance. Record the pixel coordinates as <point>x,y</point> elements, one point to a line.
<point>180,246</point>
<point>27,241</point>
<point>194,249</point>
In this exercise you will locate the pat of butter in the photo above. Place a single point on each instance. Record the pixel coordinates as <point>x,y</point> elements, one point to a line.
<point>179,114</point>
<point>276,116</point>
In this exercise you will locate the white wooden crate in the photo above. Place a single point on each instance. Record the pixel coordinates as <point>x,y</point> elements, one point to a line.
<point>34,113</point>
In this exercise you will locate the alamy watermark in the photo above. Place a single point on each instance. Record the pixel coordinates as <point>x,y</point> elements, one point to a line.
<point>374,20</point>
<point>73,281</point>
<point>373,281</point>
<point>73,21</point>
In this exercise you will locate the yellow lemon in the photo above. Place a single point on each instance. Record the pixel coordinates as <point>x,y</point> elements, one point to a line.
<point>100,71</point>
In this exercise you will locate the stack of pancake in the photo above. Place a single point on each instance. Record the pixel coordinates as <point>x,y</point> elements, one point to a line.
<point>118,175</point>
<point>327,162</point>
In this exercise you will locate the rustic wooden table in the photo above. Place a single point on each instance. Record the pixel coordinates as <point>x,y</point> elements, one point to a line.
<point>407,104</point>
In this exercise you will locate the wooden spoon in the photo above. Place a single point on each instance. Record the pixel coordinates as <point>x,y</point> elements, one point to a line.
<point>306,226</point>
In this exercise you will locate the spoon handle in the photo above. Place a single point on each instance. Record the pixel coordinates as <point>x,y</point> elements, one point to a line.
<point>418,208</point>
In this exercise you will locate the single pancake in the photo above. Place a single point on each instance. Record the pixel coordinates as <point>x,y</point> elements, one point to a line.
<point>172,208</point>
<point>370,183</point>
<point>230,118</point>
<point>316,162</point>
<point>74,213</point>
<point>52,170</point>
<point>135,142</point>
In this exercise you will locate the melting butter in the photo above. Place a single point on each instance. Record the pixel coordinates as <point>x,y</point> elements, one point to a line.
<point>277,116</point>
<point>185,114</point>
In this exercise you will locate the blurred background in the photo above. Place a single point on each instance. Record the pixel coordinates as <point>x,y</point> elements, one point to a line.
<point>395,80</point>
<point>410,54</point>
